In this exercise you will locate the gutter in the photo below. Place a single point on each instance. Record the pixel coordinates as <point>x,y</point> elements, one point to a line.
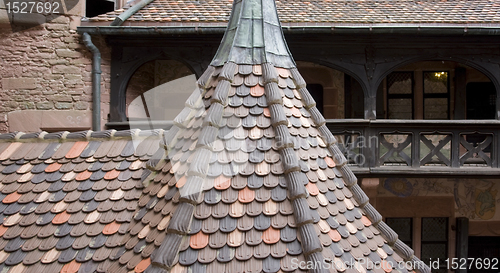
<point>129,12</point>
<point>96,82</point>
<point>96,62</point>
<point>458,30</point>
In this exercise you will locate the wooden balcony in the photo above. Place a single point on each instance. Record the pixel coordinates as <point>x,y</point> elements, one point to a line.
<point>420,147</point>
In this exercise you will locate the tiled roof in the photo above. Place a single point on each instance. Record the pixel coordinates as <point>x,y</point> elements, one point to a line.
<point>67,199</point>
<point>165,12</point>
<point>231,203</point>
<point>249,179</point>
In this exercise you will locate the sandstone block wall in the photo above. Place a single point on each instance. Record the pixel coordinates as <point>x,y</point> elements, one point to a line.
<point>47,68</point>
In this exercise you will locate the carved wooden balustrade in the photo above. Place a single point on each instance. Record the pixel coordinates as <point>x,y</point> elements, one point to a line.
<point>418,147</point>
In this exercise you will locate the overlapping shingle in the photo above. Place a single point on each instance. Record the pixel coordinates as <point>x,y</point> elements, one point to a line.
<point>63,203</point>
<point>260,188</point>
<point>248,179</point>
<point>322,11</point>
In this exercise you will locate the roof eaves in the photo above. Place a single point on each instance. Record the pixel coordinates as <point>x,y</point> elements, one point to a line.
<point>301,28</point>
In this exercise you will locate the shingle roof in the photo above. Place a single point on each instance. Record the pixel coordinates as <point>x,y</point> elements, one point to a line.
<point>249,179</point>
<point>67,199</point>
<point>165,12</point>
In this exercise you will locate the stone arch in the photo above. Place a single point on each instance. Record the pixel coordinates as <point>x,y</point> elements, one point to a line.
<point>316,70</point>
<point>125,70</point>
<point>157,89</point>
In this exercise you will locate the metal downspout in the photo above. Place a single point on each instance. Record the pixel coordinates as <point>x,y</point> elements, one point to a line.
<point>96,82</point>
<point>129,12</point>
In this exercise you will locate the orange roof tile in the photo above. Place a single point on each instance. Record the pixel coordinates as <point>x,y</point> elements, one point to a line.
<point>11,198</point>
<point>267,113</point>
<point>140,267</point>
<point>53,167</point>
<point>365,221</point>
<point>222,182</point>
<point>61,218</point>
<point>181,182</point>
<point>71,267</point>
<point>83,175</point>
<point>111,228</point>
<point>386,266</point>
<point>3,229</point>
<point>312,189</point>
<point>77,149</point>
<point>329,162</point>
<point>335,235</point>
<point>199,240</point>
<point>111,174</point>
<point>257,91</point>
<point>271,235</point>
<point>246,195</point>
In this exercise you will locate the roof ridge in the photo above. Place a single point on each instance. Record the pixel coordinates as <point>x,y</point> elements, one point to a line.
<point>350,179</point>
<point>191,192</point>
<point>79,135</point>
<point>311,245</point>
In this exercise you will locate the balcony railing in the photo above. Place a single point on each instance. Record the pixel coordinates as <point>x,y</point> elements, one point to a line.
<point>406,147</point>
<point>416,147</point>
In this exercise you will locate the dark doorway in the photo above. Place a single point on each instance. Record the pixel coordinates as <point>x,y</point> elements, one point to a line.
<point>97,7</point>
<point>481,100</point>
<point>316,91</point>
<point>484,248</point>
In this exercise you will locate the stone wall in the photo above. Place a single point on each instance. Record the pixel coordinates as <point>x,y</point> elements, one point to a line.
<point>45,71</point>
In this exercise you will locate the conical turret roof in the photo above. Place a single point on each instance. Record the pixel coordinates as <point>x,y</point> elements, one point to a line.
<point>250,179</point>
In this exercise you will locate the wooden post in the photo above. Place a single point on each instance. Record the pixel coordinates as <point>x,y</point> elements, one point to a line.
<point>418,94</point>
<point>371,107</point>
<point>117,106</point>
<point>460,93</point>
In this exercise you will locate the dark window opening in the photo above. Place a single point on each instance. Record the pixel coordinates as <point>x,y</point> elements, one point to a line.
<point>436,95</point>
<point>400,95</point>
<point>316,91</point>
<point>97,7</point>
<point>403,227</point>
<point>434,242</point>
<point>481,100</point>
<point>484,248</point>
<point>354,98</point>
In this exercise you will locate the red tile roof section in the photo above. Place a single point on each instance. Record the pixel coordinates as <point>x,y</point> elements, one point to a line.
<point>59,213</point>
